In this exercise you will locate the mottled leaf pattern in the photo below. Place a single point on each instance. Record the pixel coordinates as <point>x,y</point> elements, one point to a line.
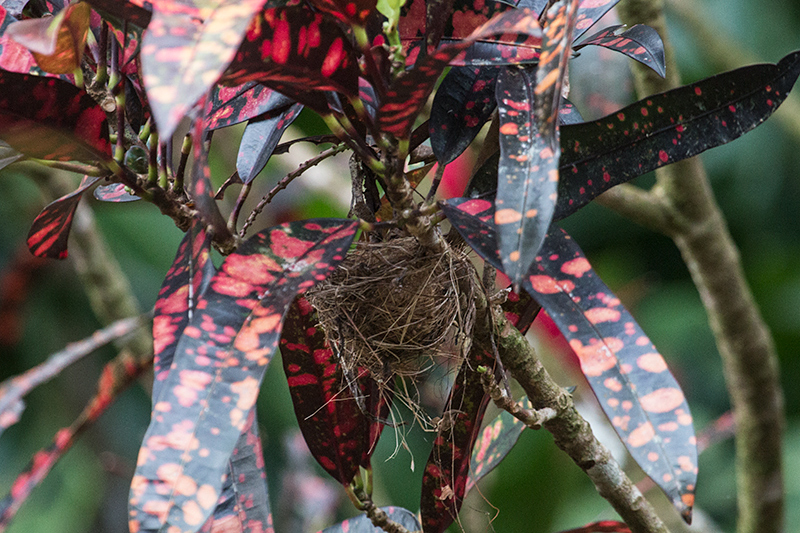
<point>260,138</point>
<point>494,443</point>
<point>295,50</point>
<point>340,433</point>
<point>114,193</point>
<point>464,101</point>
<point>231,105</point>
<point>640,42</point>
<point>410,91</point>
<point>14,389</point>
<point>57,43</point>
<point>589,13</point>
<point>362,524</point>
<point>668,127</point>
<point>50,229</point>
<point>48,118</point>
<point>354,12</point>
<point>472,218</point>
<point>184,284</point>
<point>527,175</point>
<point>630,378</point>
<point>444,479</point>
<point>219,362</point>
<point>186,47</point>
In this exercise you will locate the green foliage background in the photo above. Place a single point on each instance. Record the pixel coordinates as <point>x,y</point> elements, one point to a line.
<point>537,489</point>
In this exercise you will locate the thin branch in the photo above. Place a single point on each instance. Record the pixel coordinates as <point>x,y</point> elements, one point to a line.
<point>291,176</point>
<point>749,359</point>
<point>533,418</point>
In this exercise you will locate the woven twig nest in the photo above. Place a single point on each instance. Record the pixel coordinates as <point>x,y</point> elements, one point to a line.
<point>392,306</point>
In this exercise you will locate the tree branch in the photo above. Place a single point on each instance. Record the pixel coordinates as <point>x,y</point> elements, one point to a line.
<point>750,363</point>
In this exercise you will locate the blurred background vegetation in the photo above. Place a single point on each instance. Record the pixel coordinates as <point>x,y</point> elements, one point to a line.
<point>537,489</point>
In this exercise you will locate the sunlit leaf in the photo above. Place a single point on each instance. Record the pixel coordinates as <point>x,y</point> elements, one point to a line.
<point>48,118</point>
<point>219,363</point>
<point>50,229</point>
<point>341,430</point>
<point>57,43</point>
<point>640,42</point>
<point>188,44</point>
<point>630,378</point>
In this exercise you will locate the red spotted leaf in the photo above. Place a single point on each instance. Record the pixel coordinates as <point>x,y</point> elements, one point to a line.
<point>219,363</point>
<point>51,119</point>
<point>137,12</point>
<point>409,92</point>
<point>464,101</point>
<point>640,42</point>
<point>604,526</point>
<point>243,505</point>
<point>527,175</point>
<point>494,443</point>
<point>589,13</point>
<point>630,378</point>
<point>340,428</point>
<point>50,229</point>
<point>57,43</point>
<point>184,284</point>
<point>188,44</point>
<point>444,479</point>
<point>231,105</point>
<point>353,12</point>
<point>14,389</point>
<point>297,51</point>
<point>260,138</point>
<point>668,127</point>
<point>362,523</point>
<point>473,219</point>
<point>114,193</point>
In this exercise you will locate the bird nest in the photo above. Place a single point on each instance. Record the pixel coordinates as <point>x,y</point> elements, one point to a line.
<point>392,307</point>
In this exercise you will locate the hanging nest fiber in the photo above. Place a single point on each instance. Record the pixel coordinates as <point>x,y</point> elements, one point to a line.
<point>392,306</point>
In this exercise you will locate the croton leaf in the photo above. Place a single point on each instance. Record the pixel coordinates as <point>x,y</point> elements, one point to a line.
<point>494,443</point>
<point>464,101</point>
<point>630,378</point>
<point>114,193</point>
<point>473,219</point>
<point>243,505</point>
<point>14,57</point>
<point>409,91</point>
<point>296,50</point>
<point>527,174</point>
<point>186,47</point>
<point>200,186</point>
<point>444,479</point>
<point>219,363</point>
<point>640,42</point>
<point>185,282</point>
<point>50,229</point>
<point>362,523</point>
<point>137,12</point>
<point>260,138</point>
<point>341,431</point>
<point>231,105</point>
<point>589,13</point>
<point>48,118</point>
<point>668,127</point>
<point>604,526</point>
<point>353,12</point>
<point>57,43</point>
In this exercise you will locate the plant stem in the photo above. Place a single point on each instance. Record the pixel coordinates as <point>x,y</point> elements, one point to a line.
<point>749,360</point>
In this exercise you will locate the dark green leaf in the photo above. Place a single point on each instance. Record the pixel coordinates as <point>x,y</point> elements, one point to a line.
<point>260,138</point>
<point>640,42</point>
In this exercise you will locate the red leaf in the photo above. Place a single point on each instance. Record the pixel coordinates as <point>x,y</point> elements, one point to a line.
<point>444,480</point>
<point>219,363</point>
<point>50,229</point>
<point>186,47</point>
<point>296,50</point>
<point>353,12</point>
<point>340,433</point>
<point>231,105</point>
<point>48,118</point>
<point>630,378</point>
